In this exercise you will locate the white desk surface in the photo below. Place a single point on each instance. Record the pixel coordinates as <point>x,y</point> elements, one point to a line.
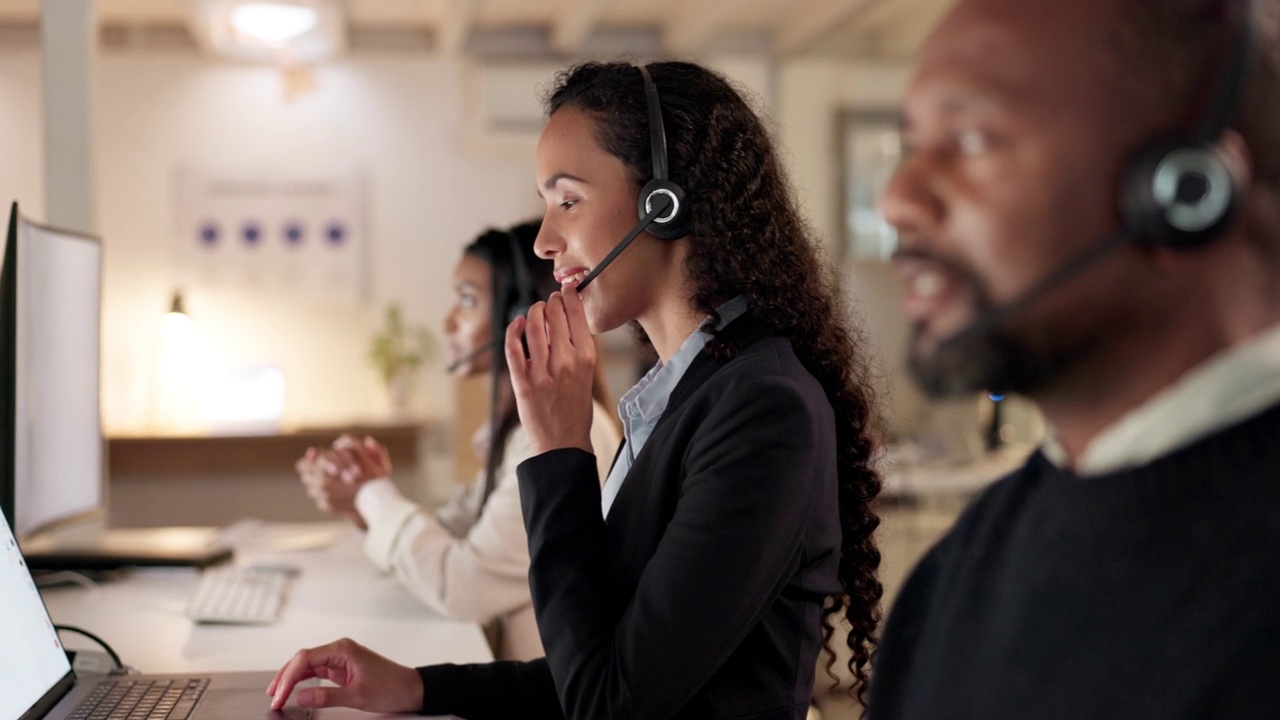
<point>338,593</point>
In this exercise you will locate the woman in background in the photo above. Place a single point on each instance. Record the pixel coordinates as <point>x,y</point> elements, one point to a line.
<point>470,558</point>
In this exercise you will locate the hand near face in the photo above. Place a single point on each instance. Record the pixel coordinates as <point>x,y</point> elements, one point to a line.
<point>365,679</point>
<point>553,386</point>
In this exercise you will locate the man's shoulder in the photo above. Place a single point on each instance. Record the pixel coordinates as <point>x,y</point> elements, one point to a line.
<point>996,505</point>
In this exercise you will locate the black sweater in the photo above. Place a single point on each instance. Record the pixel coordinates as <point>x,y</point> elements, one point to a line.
<point>1146,593</point>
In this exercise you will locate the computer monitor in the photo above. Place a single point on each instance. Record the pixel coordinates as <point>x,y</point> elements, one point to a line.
<point>8,353</point>
<point>50,296</point>
<point>52,452</point>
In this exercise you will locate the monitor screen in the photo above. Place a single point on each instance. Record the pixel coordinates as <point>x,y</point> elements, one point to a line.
<point>8,352</point>
<point>33,667</point>
<point>55,430</point>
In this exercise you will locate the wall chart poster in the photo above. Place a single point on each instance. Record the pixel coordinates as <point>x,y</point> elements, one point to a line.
<point>301,234</point>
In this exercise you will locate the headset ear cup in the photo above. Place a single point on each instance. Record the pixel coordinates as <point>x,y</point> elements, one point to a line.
<point>668,226</point>
<point>1177,194</point>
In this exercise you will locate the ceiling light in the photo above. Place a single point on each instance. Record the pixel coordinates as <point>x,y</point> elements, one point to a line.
<point>300,32</point>
<point>273,23</point>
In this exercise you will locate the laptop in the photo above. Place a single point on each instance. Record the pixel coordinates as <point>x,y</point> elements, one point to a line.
<point>37,682</point>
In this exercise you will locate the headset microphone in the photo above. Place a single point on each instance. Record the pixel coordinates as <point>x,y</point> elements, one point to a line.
<point>456,364</point>
<point>661,205</point>
<point>995,316</point>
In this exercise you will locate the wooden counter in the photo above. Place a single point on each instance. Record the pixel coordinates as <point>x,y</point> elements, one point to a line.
<point>176,455</point>
<point>219,479</point>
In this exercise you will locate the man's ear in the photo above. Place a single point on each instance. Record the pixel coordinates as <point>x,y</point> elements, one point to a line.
<point>1238,157</point>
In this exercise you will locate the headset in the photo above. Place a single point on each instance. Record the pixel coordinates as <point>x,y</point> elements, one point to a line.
<point>661,207</point>
<point>1175,193</point>
<point>678,221</point>
<point>1178,192</point>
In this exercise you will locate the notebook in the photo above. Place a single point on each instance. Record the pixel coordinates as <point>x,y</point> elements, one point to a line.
<point>37,683</point>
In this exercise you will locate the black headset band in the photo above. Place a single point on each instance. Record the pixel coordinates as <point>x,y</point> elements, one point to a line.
<point>525,294</point>
<point>657,133</point>
<point>1224,101</point>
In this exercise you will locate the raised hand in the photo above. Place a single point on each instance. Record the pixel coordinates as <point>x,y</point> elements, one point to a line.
<point>553,386</point>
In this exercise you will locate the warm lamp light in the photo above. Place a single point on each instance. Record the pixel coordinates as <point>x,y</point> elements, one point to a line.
<point>176,306</point>
<point>177,379</point>
<point>176,321</point>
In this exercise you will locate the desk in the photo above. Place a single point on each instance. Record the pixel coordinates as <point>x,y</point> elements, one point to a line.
<point>337,593</point>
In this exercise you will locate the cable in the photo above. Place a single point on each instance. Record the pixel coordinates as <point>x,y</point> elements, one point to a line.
<point>67,576</point>
<point>72,629</point>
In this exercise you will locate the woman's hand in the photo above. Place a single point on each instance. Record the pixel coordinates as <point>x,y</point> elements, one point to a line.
<point>369,457</point>
<point>365,679</point>
<point>323,474</point>
<point>553,386</point>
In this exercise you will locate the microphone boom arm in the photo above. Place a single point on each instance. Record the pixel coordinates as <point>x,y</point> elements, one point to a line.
<point>662,203</point>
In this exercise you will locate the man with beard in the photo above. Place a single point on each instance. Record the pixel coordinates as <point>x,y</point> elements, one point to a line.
<point>1089,211</point>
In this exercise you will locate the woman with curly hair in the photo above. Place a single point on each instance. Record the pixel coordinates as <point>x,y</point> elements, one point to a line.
<point>737,517</point>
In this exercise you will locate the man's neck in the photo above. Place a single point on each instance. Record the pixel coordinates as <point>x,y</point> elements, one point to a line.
<point>1132,370</point>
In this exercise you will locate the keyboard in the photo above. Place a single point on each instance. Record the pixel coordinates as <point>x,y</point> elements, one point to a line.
<point>141,700</point>
<point>239,594</point>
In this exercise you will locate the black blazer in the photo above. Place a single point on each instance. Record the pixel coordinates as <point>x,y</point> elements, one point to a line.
<point>701,595</point>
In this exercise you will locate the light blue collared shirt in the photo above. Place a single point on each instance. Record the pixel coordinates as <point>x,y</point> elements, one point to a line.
<point>642,407</point>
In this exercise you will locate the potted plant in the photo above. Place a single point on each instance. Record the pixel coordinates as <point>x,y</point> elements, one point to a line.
<point>398,351</point>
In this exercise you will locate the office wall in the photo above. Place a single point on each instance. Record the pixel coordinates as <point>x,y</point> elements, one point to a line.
<point>812,94</point>
<point>21,132</point>
<point>399,119</point>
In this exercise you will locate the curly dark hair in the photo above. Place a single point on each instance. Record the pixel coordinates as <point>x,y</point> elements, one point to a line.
<point>748,238</point>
